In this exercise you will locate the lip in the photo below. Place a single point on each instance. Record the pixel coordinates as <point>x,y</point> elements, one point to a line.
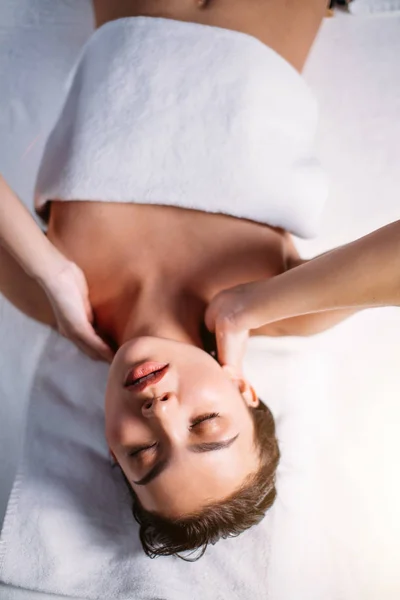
<point>145,374</point>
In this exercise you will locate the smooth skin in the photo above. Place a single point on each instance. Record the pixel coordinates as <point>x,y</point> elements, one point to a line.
<point>362,274</point>
<point>289,27</point>
<point>34,274</point>
<point>152,271</point>
<point>193,427</point>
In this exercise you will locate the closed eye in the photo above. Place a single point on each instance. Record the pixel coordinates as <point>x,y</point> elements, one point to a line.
<point>203,418</point>
<point>141,450</point>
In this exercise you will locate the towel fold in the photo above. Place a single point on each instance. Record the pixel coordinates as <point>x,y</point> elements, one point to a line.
<point>174,113</point>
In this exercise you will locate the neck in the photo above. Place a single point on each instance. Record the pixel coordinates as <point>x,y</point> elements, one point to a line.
<point>157,312</point>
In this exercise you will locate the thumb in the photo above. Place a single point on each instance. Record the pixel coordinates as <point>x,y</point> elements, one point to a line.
<point>210,316</point>
<point>93,344</point>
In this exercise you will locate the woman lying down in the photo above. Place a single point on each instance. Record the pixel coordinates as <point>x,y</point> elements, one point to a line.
<point>179,167</point>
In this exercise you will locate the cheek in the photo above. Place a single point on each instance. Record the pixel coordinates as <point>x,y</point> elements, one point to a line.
<point>214,384</point>
<point>116,416</point>
<point>203,375</point>
<point>202,392</point>
<point>210,391</point>
<point>112,425</point>
<point>122,425</point>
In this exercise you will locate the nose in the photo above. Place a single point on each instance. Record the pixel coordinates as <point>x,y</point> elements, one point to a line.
<point>156,407</point>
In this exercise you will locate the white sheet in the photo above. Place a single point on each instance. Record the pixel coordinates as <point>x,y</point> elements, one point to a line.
<point>373,7</point>
<point>359,145</point>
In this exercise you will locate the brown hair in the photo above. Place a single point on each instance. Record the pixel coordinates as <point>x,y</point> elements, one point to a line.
<point>244,508</point>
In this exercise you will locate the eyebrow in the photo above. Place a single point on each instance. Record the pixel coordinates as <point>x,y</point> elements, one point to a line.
<point>197,448</point>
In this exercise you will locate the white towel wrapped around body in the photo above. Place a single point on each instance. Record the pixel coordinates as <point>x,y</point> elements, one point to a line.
<point>183,114</point>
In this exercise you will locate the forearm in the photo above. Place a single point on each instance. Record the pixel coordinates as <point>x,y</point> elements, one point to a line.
<point>22,238</point>
<point>306,325</point>
<point>23,291</point>
<point>27,258</point>
<point>362,274</point>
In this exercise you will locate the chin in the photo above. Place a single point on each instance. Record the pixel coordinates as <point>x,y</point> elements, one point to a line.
<point>148,348</point>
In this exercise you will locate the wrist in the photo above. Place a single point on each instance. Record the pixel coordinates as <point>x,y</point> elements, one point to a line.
<point>256,307</point>
<point>49,264</point>
<point>275,299</point>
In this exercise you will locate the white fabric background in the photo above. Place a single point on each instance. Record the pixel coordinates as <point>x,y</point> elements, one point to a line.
<point>372,7</point>
<point>354,70</point>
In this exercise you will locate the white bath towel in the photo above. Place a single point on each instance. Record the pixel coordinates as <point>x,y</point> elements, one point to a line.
<point>69,529</point>
<point>174,113</point>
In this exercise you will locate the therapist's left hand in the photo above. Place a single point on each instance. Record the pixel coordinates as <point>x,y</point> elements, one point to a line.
<point>67,290</point>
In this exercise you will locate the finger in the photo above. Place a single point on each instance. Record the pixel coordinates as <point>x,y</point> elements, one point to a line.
<point>89,311</point>
<point>87,307</point>
<point>216,310</point>
<point>103,351</point>
<point>209,317</point>
<point>231,345</point>
<point>93,344</point>
<point>93,354</point>
<point>227,305</point>
<point>87,350</point>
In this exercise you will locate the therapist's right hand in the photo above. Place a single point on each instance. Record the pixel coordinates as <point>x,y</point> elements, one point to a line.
<point>361,274</point>
<point>231,315</point>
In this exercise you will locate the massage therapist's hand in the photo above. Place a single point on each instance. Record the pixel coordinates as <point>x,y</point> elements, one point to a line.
<point>231,315</point>
<point>66,288</point>
<point>362,274</point>
<point>62,280</point>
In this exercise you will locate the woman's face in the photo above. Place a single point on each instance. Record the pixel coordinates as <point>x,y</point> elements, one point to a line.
<point>183,435</point>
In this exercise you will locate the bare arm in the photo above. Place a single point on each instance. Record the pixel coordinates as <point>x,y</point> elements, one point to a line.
<point>40,281</point>
<point>25,255</point>
<point>308,324</point>
<point>359,275</point>
<point>362,274</point>
<point>23,291</point>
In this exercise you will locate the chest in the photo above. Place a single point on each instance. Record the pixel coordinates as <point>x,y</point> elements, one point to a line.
<point>120,247</point>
